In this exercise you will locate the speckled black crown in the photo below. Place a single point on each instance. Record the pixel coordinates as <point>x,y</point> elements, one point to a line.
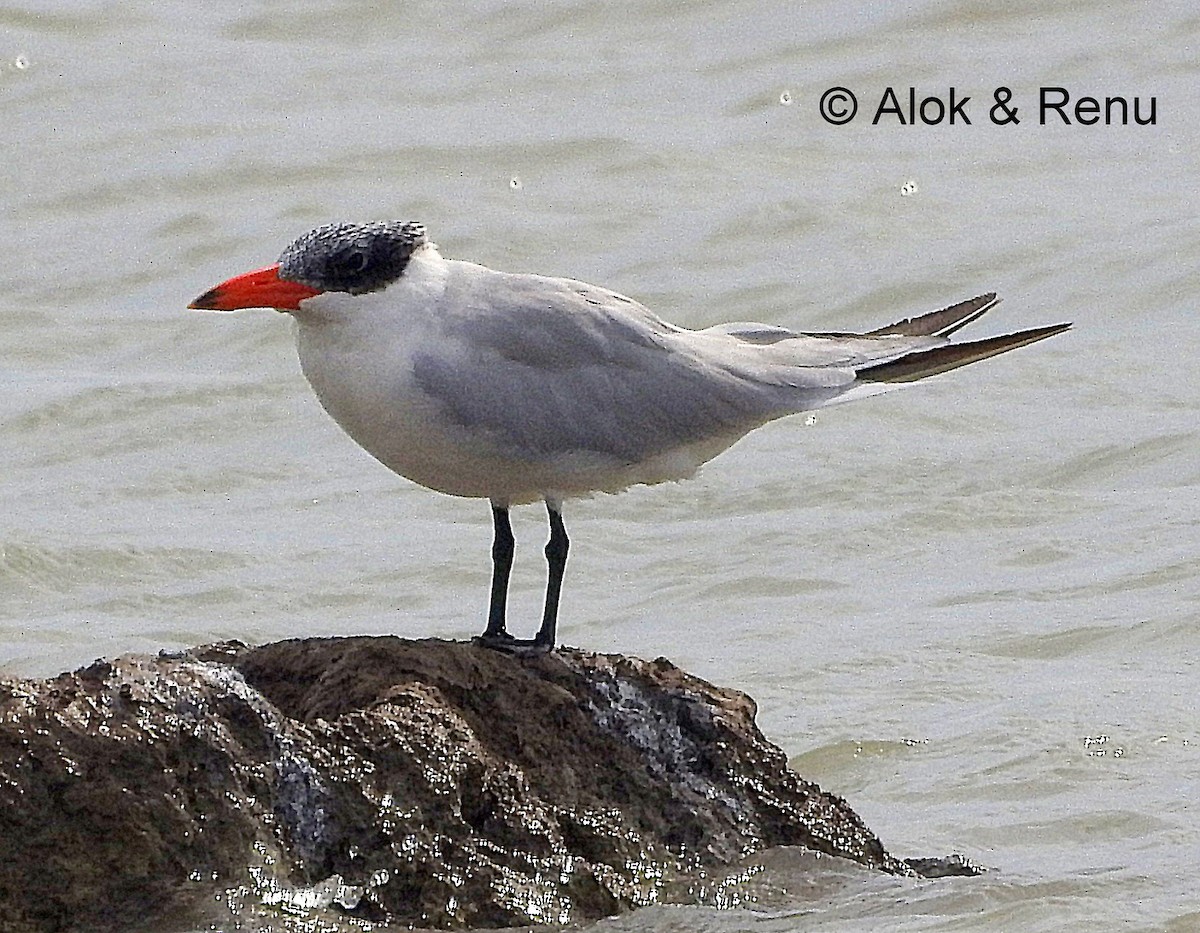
<point>354,258</point>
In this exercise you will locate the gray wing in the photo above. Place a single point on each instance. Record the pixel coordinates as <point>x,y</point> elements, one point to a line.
<point>546,367</point>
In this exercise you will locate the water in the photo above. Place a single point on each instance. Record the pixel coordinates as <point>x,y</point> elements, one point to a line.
<point>970,608</point>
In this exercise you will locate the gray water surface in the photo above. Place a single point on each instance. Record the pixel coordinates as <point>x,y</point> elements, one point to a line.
<point>971,608</point>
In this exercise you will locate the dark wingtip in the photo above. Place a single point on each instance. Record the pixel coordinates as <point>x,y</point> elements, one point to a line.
<point>944,322</point>
<point>1051,329</point>
<point>942,359</point>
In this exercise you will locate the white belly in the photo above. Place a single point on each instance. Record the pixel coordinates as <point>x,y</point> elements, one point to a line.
<point>375,399</point>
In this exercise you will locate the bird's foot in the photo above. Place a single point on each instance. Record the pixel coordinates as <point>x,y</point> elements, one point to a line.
<point>520,647</point>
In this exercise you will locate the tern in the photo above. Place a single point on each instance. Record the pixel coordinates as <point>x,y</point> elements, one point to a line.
<point>516,387</point>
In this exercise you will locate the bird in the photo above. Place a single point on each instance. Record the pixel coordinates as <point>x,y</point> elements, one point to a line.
<point>516,388</point>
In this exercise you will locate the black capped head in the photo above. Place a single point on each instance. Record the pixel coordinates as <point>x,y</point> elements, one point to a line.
<point>354,258</point>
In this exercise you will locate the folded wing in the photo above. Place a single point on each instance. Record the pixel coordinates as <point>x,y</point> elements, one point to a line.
<point>555,367</point>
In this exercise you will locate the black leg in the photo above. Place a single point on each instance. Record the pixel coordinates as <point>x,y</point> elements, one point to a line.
<point>556,558</point>
<point>496,635</point>
<point>502,560</point>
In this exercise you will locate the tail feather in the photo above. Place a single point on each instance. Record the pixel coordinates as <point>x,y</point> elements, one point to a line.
<point>942,323</point>
<point>925,363</point>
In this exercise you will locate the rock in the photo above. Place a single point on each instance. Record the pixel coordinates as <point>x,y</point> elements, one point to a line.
<point>412,782</point>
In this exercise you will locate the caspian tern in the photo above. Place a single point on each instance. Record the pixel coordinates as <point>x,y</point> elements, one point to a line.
<point>515,388</point>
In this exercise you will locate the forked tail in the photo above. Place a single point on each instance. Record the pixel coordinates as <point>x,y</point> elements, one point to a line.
<point>923,363</point>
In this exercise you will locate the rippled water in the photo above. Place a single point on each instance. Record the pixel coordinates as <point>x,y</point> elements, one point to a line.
<point>971,608</point>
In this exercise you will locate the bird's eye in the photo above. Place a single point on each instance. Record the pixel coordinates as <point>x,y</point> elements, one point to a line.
<point>354,262</point>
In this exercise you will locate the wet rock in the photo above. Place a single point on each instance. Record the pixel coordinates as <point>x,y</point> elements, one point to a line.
<point>376,779</point>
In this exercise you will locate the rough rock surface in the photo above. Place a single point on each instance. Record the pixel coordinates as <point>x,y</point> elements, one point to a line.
<point>386,781</point>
